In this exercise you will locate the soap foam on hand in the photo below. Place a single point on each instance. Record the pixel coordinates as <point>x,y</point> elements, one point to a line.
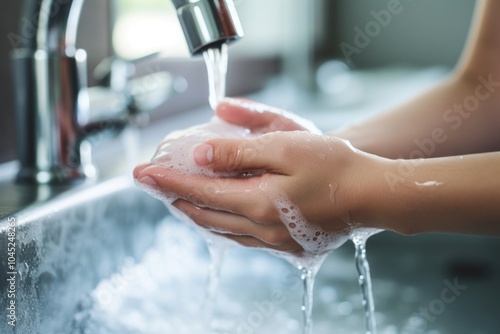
<point>176,152</point>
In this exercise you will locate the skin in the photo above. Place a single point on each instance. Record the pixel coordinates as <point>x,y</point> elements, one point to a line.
<point>364,175</point>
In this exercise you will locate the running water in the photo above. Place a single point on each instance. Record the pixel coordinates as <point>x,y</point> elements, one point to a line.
<point>216,62</point>
<point>308,277</point>
<point>217,253</point>
<point>359,238</point>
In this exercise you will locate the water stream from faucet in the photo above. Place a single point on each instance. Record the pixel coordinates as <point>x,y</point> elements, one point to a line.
<point>216,59</point>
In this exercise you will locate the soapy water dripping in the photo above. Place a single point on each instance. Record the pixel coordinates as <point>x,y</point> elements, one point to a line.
<point>308,277</point>
<point>359,239</point>
<point>216,61</point>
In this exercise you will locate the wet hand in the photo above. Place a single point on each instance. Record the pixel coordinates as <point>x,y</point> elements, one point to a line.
<point>290,182</point>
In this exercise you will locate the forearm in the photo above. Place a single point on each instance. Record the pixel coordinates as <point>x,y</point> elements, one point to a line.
<point>441,122</point>
<point>458,194</point>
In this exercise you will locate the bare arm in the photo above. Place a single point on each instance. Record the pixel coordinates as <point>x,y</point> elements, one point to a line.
<point>460,116</point>
<point>453,194</point>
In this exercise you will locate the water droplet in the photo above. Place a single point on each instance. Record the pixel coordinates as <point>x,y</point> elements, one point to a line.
<point>333,189</point>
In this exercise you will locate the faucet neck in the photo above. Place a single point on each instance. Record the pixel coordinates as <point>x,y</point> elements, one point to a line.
<point>52,97</point>
<point>56,25</point>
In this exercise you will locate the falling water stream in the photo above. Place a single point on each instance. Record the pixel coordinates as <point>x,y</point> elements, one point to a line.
<point>308,276</point>
<point>217,252</point>
<point>216,61</point>
<point>359,239</point>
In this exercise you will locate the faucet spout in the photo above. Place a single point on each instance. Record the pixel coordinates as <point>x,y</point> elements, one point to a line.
<point>52,95</point>
<point>208,23</point>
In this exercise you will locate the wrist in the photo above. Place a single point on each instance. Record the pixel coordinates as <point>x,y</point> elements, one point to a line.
<point>378,197</point>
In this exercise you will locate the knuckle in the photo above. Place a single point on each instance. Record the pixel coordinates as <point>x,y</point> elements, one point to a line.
<point>230,157</point>
<point>234,157</point>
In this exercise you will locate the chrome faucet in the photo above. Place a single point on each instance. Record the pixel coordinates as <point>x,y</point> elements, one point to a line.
<point>54,111</point>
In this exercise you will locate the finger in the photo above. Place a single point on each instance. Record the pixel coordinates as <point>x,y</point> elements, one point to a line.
<point>256,116</point>
<point>274,236</point>
<point>249,241</point>
<point>226,194</point>
<point>233,154</point>
<point>219,221</point>
<point>139,168</point>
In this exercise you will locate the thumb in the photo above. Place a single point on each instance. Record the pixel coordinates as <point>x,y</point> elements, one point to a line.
<point>233,154</point>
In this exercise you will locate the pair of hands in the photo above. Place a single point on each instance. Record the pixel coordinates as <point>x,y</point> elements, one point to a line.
<point>320,175</point>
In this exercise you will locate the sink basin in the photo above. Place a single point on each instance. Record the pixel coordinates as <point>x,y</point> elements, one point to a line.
<point>71,251</point>
<point>423,284</point>
<point>66,246</point>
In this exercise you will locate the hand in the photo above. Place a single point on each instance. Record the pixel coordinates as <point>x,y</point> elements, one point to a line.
<point>318,179</point>
<point>260,118</point>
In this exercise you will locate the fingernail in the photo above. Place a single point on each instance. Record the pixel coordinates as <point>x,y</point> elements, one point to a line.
<point>203,154</point>
<point>148,180</point>
<point>138,169</point>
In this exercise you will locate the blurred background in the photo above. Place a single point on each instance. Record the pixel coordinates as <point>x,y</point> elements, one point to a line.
<point>332,61</point>
<point>292,39</point>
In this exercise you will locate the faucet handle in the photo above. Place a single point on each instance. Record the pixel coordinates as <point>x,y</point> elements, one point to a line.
<point>120,96</point>
<point>113,72</point>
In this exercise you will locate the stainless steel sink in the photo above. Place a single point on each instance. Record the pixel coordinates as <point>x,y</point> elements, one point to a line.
<point>425,284</point>
<point>64,247</point>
